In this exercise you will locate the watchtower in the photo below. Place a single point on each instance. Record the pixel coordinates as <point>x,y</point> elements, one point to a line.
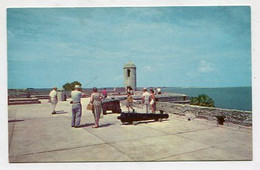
<point>130,75</point>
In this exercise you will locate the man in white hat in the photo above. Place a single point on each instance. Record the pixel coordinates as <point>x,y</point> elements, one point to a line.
<point>76,106</point>
<point>146,99</point>
<point>159,90</point>
<point>53,99</point>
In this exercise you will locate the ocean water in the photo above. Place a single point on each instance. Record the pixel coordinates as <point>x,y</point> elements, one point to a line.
<point>239,98</point>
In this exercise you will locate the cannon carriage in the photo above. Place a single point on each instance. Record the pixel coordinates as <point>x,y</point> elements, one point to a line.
<point>111,104</point>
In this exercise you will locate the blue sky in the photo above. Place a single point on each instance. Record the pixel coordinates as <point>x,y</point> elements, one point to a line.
<point>171,46</point>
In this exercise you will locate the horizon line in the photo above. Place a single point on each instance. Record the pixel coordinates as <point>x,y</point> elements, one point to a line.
<point>137,87</point>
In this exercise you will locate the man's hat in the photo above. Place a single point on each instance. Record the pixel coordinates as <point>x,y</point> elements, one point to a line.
<point>77,87</point>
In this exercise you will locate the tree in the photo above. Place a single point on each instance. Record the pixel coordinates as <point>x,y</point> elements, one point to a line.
<point>70,86</point>
<point>202,100</point>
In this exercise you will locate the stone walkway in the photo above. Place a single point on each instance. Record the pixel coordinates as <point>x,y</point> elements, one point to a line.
<point>37,136</point>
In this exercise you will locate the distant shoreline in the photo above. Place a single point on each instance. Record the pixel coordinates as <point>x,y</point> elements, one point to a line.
<point>239,98</point>
<point>137,87</point>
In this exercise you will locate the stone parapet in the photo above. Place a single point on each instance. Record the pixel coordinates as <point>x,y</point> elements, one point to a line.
<point>234,116</point>
<point>19,101</point>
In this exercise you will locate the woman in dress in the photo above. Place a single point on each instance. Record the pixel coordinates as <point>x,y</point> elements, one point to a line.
<point>95,99</point>
<point>152,101</point>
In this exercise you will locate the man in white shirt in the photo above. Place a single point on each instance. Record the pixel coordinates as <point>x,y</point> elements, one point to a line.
<point>146,99</point>
<point>159,90</point>
<point>53,99</point>
<point>76,106</point>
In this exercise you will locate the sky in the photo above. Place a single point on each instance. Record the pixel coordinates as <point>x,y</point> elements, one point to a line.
<point>170,46</point>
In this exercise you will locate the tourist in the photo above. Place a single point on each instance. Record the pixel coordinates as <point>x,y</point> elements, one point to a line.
<point>155,91</point>
<point>104,92</point>
<point>95,99</point>
<point>129,102</point>
<point>127,89</point>
<point>152,101</point>
<point>53,98</point>
<point>159,90</point>
<point>131,91</point>
<point>76,106</point>
<point>146,99</point>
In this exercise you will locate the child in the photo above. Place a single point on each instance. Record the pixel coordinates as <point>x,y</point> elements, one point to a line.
<point>152,101</point>
<point>129,102</point>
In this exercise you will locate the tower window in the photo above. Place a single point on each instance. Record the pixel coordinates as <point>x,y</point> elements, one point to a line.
<point>128,73</point>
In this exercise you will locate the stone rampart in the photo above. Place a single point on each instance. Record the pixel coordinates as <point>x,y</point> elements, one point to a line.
<point>209,113</point>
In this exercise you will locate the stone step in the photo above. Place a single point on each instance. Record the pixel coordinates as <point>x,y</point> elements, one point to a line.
<point>17,101</point>
<point>41,96</point>
<point>22,99</point>
<point>23,102</point>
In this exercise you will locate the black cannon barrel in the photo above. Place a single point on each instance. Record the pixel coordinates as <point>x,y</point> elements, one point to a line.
<point>110,100</point>
<point>130,117</point>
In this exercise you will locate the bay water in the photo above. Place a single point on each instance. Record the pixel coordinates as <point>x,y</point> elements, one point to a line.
<point>238,98</point>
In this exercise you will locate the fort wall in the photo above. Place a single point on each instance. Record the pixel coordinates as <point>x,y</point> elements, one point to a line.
<point>209,113</point>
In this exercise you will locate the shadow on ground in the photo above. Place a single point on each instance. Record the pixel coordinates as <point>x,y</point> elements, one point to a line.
<point>106,125</point>
<point>92,124</point>
<point>143,122</point>
<point>61,112</point>
<point>10,121</point>
<point>87,124</point>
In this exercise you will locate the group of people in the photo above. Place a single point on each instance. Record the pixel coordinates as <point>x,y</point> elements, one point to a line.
<point>148,99</point>
<point>95,100</point>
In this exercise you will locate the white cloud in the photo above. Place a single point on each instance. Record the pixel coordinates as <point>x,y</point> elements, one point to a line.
<point>205,67</point>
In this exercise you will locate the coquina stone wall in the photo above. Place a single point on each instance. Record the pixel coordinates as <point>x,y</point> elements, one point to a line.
<point>233,116</point>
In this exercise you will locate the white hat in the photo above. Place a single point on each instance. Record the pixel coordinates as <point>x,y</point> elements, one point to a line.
<point>77,87</point>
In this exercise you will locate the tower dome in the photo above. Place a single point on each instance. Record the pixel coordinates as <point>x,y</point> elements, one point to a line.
<point>130,64</point>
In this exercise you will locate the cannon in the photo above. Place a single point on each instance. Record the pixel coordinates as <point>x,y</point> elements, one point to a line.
<point>131,117</point>
<point>221,119</point>
<point>111,104</point>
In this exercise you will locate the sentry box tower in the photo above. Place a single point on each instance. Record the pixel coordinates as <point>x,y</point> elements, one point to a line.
<point>130,76</point>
